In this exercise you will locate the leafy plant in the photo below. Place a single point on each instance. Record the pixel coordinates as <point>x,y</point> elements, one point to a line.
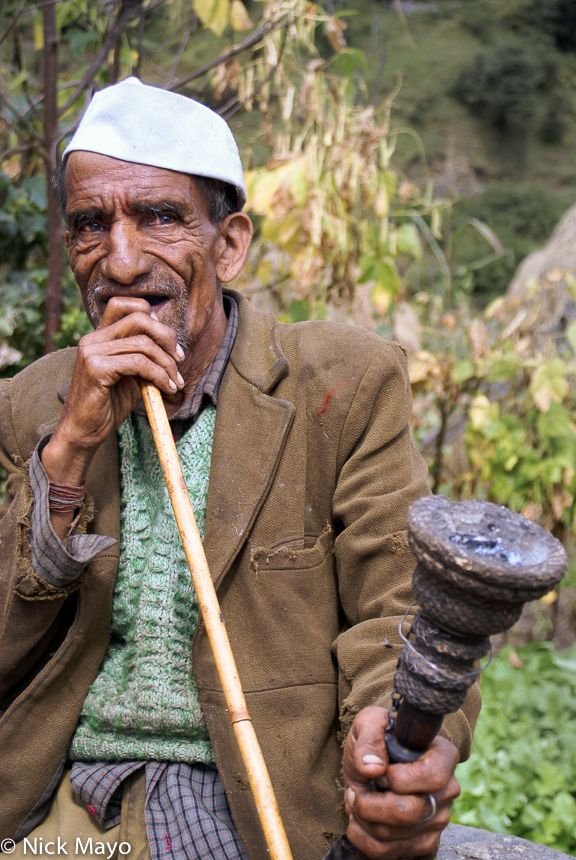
<point>327,204</point>
<point>23,275</point>
<point>507,401</point>
<point>521,776</point>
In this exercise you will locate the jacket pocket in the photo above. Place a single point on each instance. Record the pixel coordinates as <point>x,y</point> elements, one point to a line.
<point>292,613</point>
<point>286,557</point>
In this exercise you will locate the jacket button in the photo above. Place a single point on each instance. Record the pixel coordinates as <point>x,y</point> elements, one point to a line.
<point>91,810</point>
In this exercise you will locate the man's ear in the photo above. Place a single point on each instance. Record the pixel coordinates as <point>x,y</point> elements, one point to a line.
<point>236,233</point>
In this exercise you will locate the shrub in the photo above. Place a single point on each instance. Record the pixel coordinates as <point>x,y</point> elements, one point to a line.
<point>521,776</point>
<point>555,123</point>
<point>502,85</point>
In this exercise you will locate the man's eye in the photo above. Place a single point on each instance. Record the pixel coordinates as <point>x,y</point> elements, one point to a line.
<point>89,227</point>
<point>163,218</point>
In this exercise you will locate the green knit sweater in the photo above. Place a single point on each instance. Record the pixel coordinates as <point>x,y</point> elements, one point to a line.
<point>144,703</point>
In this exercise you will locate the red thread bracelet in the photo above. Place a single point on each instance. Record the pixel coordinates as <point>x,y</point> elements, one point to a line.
<point>63,499</point>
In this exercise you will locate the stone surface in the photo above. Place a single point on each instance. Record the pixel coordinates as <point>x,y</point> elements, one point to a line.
<point>469,843</point>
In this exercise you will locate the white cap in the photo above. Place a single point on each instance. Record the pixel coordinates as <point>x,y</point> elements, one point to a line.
<point>147,125</point>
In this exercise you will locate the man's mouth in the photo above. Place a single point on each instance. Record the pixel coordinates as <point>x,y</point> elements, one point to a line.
<point>153,299</point>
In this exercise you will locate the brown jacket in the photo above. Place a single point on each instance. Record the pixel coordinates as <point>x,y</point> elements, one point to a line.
<point>312,472</point>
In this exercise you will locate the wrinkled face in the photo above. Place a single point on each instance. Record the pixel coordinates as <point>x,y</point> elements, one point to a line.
<point>141,231</point>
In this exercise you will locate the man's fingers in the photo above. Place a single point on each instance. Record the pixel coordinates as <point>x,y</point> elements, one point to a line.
<point>388,812</point>
<point>108,369</point>
<point>404,821</point>
<point>119,307</point>
<point>365,756</point>
<point>91,353</point>
<point>374,848</point>
<point>125,317</point>
<point>406,831</point>
<point>430,773</point>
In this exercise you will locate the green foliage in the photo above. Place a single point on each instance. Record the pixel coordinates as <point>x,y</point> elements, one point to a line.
<point>513,400</point>
<point>23,274</point>
<point>22,315</point>
<point>22,219</point>
<point>521,776</point>
<point>555,125</point>
<point>524,456</point>
<point>502,85</point>
<point>523,216</point>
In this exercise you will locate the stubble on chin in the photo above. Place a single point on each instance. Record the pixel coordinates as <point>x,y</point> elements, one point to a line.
<point>178,306</point>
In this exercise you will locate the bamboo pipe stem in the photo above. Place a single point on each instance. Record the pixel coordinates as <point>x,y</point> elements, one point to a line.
<point>250,751</point>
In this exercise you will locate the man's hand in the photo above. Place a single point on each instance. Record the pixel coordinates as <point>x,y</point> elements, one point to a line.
<point>129,343</point>
<point>397,822</point>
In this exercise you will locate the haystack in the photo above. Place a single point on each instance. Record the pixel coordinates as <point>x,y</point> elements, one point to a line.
<point>540,298</point>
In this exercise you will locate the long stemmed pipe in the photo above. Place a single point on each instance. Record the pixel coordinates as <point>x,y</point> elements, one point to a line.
<point>250,751</point>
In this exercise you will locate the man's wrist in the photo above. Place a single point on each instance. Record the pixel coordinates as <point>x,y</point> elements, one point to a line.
<point>65,463</point>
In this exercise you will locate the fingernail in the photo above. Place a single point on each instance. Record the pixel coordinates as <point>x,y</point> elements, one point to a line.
<point>350,797</point>
<point>173,385</point>
<point>180,353</point>
<point>154,317</point>
<point>371,759</point>
<point>180,379</point>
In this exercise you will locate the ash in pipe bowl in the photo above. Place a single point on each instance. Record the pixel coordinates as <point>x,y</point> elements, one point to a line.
<point>477,559</point>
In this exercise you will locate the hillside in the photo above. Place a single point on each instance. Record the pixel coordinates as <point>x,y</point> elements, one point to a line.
<point>507,155</point>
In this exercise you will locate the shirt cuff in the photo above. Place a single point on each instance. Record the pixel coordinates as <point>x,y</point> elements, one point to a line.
<point>56,564</point>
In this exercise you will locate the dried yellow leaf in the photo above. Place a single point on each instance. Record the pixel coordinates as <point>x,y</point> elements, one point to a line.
<point>239,17</point>
<point>515,660</point>
<point>381,299</point>
<point>478,337</point>
<point>283,201</point>
<point>38,35</point>
<point>214,14</point>
<point>261,186</point>
<point>560,501</point>
<point>334,30</point>
<point>422,367</point>
<point>549,384</point>
<point>479,412</point>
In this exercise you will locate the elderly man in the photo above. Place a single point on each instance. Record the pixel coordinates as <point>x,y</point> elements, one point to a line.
<point>296,451</point>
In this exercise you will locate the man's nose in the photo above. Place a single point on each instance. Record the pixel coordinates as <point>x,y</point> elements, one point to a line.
<point>125,259</point>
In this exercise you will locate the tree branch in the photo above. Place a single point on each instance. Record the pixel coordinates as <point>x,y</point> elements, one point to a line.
<point>178,56</point>
<point>138,71</point>
<point>128,10</point>
<point>21,118</point>
<point>249,42</point>
<point>13,22</point>
<point>53,294</point>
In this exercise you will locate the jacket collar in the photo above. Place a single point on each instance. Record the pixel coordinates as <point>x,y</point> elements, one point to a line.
<point>262,368</point>
<point>251,430</point>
